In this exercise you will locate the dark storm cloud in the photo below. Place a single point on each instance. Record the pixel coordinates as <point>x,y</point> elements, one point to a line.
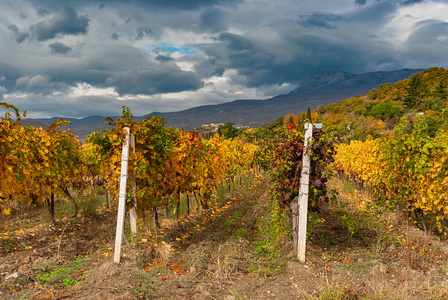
<point>224,42</point>
<point>65,22</point>
<point>212,20</point>
<point>20,36</point>
<point>428,45</point>
<point>163,58</point>
<point>122,67</point>
<point>371,17</point>
<point>154,80</point>
<point>253,60</point>
<point>168,4</point>
<point>14,28</point>
<point>319,20</point>
<point>42,12</point>
<point>401,2</point>
<point>208,68</point>
<point>59,48</point>
<point>260,64</point>
<point>412,2</point>
<point>430,35</point>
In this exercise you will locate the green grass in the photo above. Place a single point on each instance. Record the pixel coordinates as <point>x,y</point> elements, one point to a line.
<point>66,275</point>
<point>241,233</point>
<point>144,285</point>
<point>268,246</point>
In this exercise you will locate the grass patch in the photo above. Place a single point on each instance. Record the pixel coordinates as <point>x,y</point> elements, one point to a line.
<point>241,233</point>
<point>66,275</point>
<point>349,221</point>
<point>331,291</point>
<point>143,285</point>
<point>268,247</point>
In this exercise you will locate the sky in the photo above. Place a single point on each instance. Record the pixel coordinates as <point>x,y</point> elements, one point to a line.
<point>76,58</point>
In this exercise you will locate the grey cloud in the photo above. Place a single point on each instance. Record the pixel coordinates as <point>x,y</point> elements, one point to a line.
<point>65,22</point>
<point>213,20</point>
<point>23,16</point>
<point>154,80</point>
<point>22,36</point>
<point>167,4</point>
<point>412,2</point>
<point>208,68</point>
<point>42,12</point>
<point>430,35</point>
<point>142,32</point>
<point>400,2</point>
<point>236,42</point>
<point>116,65</point>
<point>427,46</point>
<point>319,20</point>
<point>298,56</point>
<point>38,84</point>
<point>114,36</point>
<point>255,62</point>
<point>163,58</point>
<point>59,48</point>
<point>14,28</point>
<point>3,91</point>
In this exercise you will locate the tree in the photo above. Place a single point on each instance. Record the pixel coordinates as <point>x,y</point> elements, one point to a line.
<point>411,97</point>
<point>308,115</point>
<point>228,131</point>
<point>384,111</point>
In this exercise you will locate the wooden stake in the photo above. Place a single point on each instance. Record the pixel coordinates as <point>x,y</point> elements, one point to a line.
<point>122,197</point>
<point>133,212</point>
<point>303,195</point>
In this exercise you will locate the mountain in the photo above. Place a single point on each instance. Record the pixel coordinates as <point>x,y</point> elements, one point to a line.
<point>321,88</point>
<point>328,80</point>
<point>323,79</point>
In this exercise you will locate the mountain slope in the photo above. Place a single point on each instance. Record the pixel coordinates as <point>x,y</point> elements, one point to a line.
<point>321,88</point>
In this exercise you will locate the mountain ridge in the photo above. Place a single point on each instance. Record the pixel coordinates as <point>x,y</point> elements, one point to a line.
<point>321,88</point>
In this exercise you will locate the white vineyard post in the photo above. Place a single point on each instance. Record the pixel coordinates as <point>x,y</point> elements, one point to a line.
<point>133,213</point>
<point>303,195</point>
<point>122,196</point>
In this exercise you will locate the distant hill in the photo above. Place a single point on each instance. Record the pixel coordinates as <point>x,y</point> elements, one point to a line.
<point>34,123</point>
<point>321,88</point>
<point>331,80</point>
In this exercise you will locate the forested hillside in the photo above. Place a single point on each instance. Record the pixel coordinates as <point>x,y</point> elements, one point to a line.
<point>420,98</point>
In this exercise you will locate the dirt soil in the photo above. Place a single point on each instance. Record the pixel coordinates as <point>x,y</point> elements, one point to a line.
<point>223,253</point>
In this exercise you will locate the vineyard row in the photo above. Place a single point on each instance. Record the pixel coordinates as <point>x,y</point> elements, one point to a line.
<point>405,167</point>
<point>36,164</point>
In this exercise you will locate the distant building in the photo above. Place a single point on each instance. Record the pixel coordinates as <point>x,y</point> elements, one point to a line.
<point>212,127</point>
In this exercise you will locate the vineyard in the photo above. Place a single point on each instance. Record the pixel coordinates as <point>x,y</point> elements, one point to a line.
<point>165,163</point>
<point>405,169</point>
<point>215,216</point>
